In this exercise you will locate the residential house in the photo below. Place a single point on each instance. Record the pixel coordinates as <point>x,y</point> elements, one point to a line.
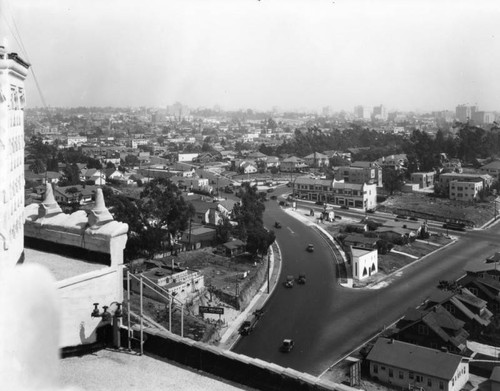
<point>486,288</point>
<point>98,177</point>
<point>488,267</point>
<point>492,169</point>
<point>226,207</point>
<point>272,161</point>
<point>197,237</point>
<point>364,263</point>
<point>248,167</point>
<point>317,159</point>
<point>423,179</point>
<point>187,157</point>
<point>435,328</point>
<point>465,306</point>
<point>234,247</point>
<point>76,194</point>
<point>405,365</point>
<point>206,212</point>
<point>293,164</point>
<point>113,174</point>
<point>257,156</point>
<point>396,162</point>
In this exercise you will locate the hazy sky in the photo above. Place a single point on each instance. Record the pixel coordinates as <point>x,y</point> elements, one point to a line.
<point>426,54</point>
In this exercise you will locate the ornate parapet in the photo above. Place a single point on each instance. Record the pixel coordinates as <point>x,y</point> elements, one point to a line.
<point>97,231</point>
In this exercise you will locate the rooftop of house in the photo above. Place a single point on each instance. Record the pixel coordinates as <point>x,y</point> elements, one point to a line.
<point>415,358</point>
<point>494,165</point>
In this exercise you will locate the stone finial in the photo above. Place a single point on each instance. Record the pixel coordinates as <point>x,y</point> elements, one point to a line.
<point>99,214</point>
<point>49,206</point>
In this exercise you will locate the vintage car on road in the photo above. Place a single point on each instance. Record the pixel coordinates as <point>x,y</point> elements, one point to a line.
<point>287,345</point>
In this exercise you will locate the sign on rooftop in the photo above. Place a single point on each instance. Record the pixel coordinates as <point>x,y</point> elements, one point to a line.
<point>211,310</point>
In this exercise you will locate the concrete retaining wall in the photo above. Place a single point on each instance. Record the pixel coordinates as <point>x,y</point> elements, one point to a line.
<point>234,367</point>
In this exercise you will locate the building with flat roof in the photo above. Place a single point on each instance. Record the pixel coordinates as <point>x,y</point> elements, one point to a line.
<point>363,196</point>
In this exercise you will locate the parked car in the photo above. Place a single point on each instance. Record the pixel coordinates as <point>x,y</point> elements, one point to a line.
<point>249,325</point>
<point>302,279</point>
<point>401,217</point>
<point>370,211</point>
<point>289,282</point>
<point>287,345</point>
<point>344,207</point>
<point>319,203</point>
<point>413,218</point>
<point>310,248</point>
<point>282,203</point>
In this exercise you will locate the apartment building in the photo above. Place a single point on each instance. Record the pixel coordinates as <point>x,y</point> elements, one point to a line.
<point>363,196</point>
<point>360,172</point>
<point>465,191</point>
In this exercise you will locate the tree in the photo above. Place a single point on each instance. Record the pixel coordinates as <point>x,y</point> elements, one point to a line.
<point>71,175</point>
<point>223,231</point>
<point>93,163</point>
<point>393,179</point>
<point>38,166</point>
<point>164,208</point>
<point>259,240</point>
<point>131,161</point>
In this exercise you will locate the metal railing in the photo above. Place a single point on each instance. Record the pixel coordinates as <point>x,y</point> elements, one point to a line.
<point>159,291</point>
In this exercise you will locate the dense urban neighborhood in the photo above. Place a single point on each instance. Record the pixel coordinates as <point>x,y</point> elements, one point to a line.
<point>195,186</point>
<point>211,197</point>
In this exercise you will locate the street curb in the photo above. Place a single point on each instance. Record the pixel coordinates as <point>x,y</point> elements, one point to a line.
<point>369,286</point>
<point>259,299</point>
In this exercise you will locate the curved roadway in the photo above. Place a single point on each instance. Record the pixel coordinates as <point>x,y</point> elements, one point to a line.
<point>326,320</point>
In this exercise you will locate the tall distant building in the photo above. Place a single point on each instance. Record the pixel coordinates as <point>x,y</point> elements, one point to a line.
<point>380,113</point>
<point>465,113</point>
<point>363,112</point>
<point>13,72</point>
<point>327,111</point>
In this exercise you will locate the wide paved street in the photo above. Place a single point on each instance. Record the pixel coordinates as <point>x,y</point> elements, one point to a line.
<point>326,320</point>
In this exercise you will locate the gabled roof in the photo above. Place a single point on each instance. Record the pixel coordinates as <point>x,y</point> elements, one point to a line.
<point>234,244</point>
<point>476,266</point>
<point>293,159</point>
<point>316,155</point>
<point>202,206</point>
<point>429,362</point>
<point>493,165</point>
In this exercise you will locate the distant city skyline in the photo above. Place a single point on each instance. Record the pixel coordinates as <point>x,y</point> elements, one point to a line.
<point>405,55</point>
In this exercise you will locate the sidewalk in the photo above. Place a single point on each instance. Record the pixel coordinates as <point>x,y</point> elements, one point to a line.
<point>231,335</point>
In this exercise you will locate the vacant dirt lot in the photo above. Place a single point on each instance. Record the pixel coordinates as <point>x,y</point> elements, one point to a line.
<point>426,206</point>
